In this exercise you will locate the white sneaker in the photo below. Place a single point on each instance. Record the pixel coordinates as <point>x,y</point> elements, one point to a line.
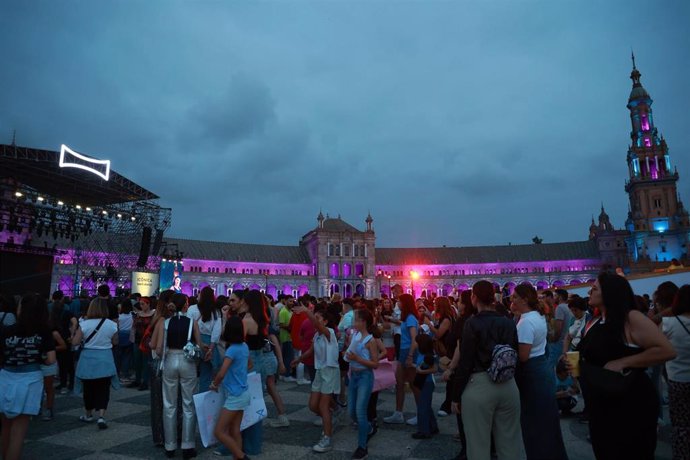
<point>303,382</point>
<point>281,422</point>
<point>396,417</point>
<point>289,378</point>
<point>324,445</point>
<point>442,413</point>
<point>412,421</point>
<point>318,421</point>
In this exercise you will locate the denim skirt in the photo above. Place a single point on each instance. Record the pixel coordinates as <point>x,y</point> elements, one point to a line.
<point>21,392</point>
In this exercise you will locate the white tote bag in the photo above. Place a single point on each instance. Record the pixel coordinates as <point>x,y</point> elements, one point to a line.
<point>209,404</point>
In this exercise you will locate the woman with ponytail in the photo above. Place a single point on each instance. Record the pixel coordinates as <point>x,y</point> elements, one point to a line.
<point>363,356</point>
<point>541,428</point>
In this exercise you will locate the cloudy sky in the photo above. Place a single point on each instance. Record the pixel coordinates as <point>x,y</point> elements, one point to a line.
<point>455,123</point>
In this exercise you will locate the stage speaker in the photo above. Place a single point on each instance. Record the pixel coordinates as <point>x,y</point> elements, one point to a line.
<point>157,242</point>
<point>145,247</point>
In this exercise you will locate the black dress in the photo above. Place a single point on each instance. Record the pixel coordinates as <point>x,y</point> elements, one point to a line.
<point>621,426</point>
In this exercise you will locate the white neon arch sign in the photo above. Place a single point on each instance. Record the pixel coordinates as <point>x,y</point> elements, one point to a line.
<point>67,154</point>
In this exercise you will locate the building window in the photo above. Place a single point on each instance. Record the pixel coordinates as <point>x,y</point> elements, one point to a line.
<point>337,250</point>
<point>346,250</point>
<point>657,203</point>
<point>663,248</point>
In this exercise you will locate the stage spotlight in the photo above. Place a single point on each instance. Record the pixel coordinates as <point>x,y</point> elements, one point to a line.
<point>41,199</point>
<point>119,216</point>
<point>88,209</point>
<point>78,206</point>
<point>60,203</point>
<point>18,194</point>
<point>104,212</point>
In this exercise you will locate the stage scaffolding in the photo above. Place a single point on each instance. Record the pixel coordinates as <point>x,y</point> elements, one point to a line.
<point>101,227</point>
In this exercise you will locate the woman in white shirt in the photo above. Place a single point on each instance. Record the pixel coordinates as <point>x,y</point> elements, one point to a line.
<point>327,379</point>
<point>96,367</point>
<point>677,329</point>
<point>541,428</point>
<point>209,321</point>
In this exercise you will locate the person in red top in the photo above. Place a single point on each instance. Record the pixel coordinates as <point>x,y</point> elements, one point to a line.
<point>295,325</point>
<point>306,333</point>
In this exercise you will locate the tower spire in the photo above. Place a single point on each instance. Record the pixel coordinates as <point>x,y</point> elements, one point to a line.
<point>632,53</point>
<point>635,74</point>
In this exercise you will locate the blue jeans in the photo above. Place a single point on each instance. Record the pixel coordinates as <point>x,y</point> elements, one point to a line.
<point>554,350</point>
<point>359,390</point>
<point>288,355</point>
<point>426,421</point>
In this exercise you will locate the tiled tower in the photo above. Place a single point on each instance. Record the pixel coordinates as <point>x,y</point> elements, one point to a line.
<point>657,221</point>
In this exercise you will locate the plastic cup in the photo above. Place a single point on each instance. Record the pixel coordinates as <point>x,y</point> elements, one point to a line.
<point>574,360</point>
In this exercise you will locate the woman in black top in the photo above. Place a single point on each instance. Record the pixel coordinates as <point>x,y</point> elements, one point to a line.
<point>487,407</point>
<point>24,346</point>
<point>179,374</point>
<point>467,310</point>
<point>623,341</point>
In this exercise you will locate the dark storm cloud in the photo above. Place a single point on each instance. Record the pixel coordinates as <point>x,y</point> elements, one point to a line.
<point>454,123</point>
<point>242,111</point>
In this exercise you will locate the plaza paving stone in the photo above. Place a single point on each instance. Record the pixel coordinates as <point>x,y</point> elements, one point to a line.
<point>129,436</point>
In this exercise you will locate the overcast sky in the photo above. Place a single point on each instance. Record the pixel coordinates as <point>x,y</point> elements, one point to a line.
<point>455,123</point>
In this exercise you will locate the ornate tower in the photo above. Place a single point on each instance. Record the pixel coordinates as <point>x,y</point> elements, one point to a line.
<point>655,207</point>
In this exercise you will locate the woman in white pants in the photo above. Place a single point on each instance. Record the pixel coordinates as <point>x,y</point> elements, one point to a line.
<point>179,373</point>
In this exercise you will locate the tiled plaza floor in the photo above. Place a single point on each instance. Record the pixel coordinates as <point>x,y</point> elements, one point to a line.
<point>129,436</point>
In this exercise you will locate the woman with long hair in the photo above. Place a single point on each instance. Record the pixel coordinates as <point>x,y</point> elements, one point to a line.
<point>442,329</point>
<point>49,371</point>
<point>179,376</point>
<point>677,329</point>
<point>233,375</point>
<point>67,324</point>
<point>96,370</point>
<point>256,321</point>
<point>147,347</point>
<point>385,313</point>
<point>24,346</point>
<point>209,321</point>
<point>466,310</point>
<point>363,356</point>
<point>615,350</point>
<point>405,371</point>
<point>541,429</point>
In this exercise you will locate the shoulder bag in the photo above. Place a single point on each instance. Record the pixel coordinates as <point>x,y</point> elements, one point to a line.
<point>681,323</point>
<point>95,331</point>
<point>191,351</point>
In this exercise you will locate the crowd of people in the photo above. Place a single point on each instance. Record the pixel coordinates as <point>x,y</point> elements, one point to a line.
<point>513,363</point>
